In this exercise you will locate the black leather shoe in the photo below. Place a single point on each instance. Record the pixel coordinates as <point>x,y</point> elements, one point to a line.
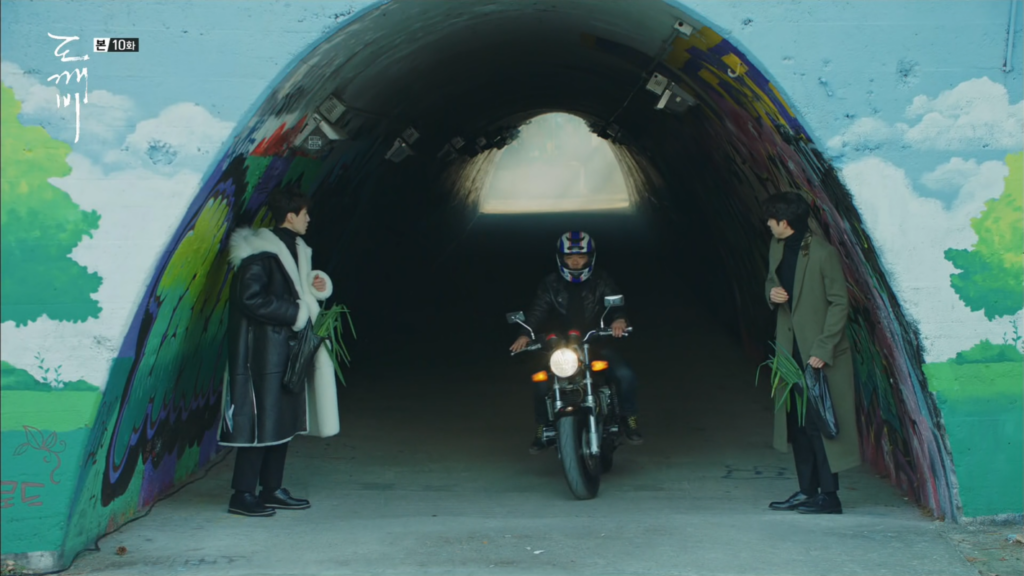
<point>247,504</point>
<point>798,498</point>
<point>822,504</point>
<point>282,499</point>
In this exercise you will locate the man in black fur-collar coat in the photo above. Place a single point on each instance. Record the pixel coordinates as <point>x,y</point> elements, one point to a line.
<point>274,294</point>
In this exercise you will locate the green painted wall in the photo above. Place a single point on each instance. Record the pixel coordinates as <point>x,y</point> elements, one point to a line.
<point>981,390</point>
<point>983,407</point>
<point>44,432</point>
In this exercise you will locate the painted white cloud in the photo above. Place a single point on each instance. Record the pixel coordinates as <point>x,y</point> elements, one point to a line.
<point>976,113</point>
<point>952,175</point>
<point>184,135</point>
<point>911,233</point>
<point>101,122</point>
<point>140,202</point>
<point>139,210</point>
<point>867,134</point>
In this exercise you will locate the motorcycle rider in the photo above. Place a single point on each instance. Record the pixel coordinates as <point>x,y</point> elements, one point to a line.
<point>576,294</point>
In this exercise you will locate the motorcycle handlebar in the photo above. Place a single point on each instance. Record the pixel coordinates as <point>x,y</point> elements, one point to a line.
<point>608,332</point>
<point>537,345</point>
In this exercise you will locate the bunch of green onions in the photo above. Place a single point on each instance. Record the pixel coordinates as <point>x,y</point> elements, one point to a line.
<point>786,373</point>
<point>330,327</point>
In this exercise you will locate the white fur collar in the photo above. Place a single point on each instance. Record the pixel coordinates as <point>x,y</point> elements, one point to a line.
<point>246,242</point>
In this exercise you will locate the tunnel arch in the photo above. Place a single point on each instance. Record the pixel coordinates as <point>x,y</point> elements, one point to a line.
<point>477,74</point>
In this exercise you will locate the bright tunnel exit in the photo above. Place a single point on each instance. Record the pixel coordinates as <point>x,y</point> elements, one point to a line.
<point>555,165</point>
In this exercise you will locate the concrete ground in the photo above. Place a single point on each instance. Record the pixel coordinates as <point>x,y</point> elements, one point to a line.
<point>431,475</point>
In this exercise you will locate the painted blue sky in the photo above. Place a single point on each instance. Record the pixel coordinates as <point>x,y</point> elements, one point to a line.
<point>837,62</point>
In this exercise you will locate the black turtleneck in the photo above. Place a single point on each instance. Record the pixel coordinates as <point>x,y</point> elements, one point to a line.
<point>289,238</point>
<point>787,272</point>
<point>787,267</point>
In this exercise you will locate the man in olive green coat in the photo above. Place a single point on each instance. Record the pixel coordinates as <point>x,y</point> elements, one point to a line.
<point>807,287</point>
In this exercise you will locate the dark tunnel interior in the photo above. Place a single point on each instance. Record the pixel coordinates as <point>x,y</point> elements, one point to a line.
<point>429,278</point>
<point>383,227</point>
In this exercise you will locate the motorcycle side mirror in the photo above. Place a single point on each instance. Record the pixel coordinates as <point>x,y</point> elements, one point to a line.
<point>519,318</point>
<point>613,301</point>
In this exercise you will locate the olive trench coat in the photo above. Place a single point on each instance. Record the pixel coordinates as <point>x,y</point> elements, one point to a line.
<point>816,315</point>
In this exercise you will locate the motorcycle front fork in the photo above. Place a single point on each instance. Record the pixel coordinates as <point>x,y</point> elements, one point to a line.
<point>593,429</point>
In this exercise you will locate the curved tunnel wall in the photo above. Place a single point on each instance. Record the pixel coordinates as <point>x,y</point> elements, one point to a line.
<point>155,424</point>
<point>744,117</point>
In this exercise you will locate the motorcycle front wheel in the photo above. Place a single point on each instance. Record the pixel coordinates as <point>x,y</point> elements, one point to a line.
<point>584,481</point>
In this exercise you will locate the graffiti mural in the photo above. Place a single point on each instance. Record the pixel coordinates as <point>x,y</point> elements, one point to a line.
<point>114,274</point>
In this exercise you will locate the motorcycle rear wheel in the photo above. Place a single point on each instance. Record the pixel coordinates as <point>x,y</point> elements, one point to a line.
<point>583,483</point>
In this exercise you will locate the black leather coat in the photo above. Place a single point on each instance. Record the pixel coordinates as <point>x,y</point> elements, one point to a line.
<point>552,298</point>
<point>262,310</point>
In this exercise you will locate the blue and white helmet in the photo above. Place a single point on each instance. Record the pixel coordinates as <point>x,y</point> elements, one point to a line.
<point>576,242</point>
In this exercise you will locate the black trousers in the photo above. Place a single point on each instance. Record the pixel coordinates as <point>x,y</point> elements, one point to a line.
<point>622,377</point>
<point>263,465</point>
<point>812,469</point>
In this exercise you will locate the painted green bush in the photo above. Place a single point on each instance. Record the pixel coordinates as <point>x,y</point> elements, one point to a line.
<point>48,405</point>
<point>39,227</point>
<point>12,378</point>
<point>991,276</point>
<point>985,352</point>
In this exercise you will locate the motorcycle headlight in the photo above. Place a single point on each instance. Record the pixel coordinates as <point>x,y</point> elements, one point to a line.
<point>564,362</point>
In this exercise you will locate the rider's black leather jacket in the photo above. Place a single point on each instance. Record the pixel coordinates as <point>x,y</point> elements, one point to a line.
<point>552,297</point>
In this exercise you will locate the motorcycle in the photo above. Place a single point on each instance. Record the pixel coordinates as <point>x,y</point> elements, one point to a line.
<point>582,405</point>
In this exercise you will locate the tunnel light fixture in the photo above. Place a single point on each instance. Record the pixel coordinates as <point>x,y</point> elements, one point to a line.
<point>447,153</point>
<point>399,151</point>
<point>410,135</point>
<point>331,131</point>
<point>317,121</point>
<point>457,142</point>
<point>481,141</point>
<point>657,83</point>
<point>675,99</point>
<point>332,108</point>
<point>684,28</point>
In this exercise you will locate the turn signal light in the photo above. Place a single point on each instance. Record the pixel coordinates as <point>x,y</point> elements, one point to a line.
<point>541,376</point>
<point>598,365</point>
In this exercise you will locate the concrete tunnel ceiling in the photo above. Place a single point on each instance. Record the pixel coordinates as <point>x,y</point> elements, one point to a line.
<point>481,69</point>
